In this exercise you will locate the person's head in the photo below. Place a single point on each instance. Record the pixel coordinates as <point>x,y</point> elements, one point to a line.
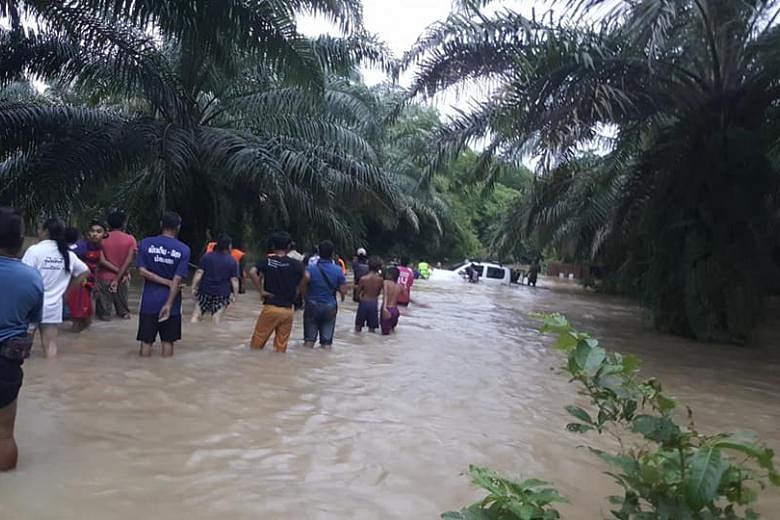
<point>224,242</point>
<point>326,249</point>
<point>72,235</point>
<point>392,273</point>
<point>54,229</point>
<point>117,220</point>
<point>374,264</point>
<point>171,222</point>
<point>361,253</point>
<point>280,241</point>
<point>96,231</point>
<point>405,261</point>
<point>11,231</point>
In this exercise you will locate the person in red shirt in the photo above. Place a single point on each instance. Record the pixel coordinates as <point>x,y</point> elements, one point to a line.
<point>405,280</point>
<point>119,250</point>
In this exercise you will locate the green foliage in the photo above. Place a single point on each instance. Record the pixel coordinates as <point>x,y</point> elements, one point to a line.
<point>508,499</point>
<point>666,470</point>
<point>679,100</point>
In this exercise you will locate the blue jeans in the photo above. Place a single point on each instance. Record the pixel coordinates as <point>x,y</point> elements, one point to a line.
<point>319,319</point>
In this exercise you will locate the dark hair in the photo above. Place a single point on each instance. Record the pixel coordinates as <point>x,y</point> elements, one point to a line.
<point>96,222</point>
<point>405,261</point>
<point>392,273</point>
<point>374,264</point>
<point>326,249</point>
<point>71,235</point>
<point>56,230</point>
<point>223,242</point>
<point>117,219</point>
<point>170,220</point>
<point>279,241</point>
<point>11,230</point>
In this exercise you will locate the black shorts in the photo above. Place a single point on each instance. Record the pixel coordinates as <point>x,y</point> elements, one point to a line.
<point>403,304</point>
<point>149,325</point>
<point>10,380</point>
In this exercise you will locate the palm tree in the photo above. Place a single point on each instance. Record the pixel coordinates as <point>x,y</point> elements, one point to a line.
<point>684,199</point>
<point>218,108</point>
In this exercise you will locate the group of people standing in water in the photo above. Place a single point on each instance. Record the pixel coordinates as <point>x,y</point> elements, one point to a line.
<point>62,268</point>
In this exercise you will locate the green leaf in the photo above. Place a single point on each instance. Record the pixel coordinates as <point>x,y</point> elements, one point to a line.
<point>566,342</point>
<point>579,427</point>
<point>579,413</point>
<point>659,429</point>
<point>589,359</point>
<point>705,471</point>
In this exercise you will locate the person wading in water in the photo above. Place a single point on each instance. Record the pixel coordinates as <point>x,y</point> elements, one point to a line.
<point>280,280</point>
<point>163,264</point>
<point>325,280</point>
<point>216,282</point>
<point>60,270</point>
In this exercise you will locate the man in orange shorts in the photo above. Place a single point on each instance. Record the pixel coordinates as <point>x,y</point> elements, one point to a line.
<point>280,279</point>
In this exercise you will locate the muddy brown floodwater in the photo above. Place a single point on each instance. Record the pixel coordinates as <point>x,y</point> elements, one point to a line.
<point>377,428</point>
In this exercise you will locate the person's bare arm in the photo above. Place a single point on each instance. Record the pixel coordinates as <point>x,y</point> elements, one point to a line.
<point>235,286</point>
<point>196,281</point>
<point>106,264</point>
<point>385,312</point>
<point>125,266</point>
<point>152,277</point>
<point>303,285</point>
<point>165,312</point>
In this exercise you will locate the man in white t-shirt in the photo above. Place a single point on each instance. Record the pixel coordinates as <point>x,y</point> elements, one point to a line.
<point>48,258</point>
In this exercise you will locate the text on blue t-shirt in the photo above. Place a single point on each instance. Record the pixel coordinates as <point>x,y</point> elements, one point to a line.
<point>166,257</point>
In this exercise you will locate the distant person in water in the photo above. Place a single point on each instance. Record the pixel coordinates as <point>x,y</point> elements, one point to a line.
<point>392,291</point>
<point>215,284</point>
<point>369,288</point>
<point>280,280</point>
<point>60,270</point>
<point>240,257</point>
<point>113,277</point>
<point>79,298</point>
<point>20,305</point>
<point>359,269</point>
<point>533,273</point>
<point>406,281</point>
<point>163,264</point>
<point>325,280</point>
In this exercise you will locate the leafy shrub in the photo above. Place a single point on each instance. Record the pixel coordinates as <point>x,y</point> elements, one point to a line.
<point>666,471</point>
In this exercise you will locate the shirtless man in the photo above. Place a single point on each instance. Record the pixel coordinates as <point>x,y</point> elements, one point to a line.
<point>391,292</point>
<point>368,290</point>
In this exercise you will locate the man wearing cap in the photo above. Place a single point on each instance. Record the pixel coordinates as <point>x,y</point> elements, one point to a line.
<point>359,268</point>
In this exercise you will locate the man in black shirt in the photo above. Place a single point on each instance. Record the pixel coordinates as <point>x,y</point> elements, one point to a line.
<point>280,279</point>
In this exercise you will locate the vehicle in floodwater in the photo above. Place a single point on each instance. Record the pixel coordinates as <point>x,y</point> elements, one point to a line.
<point>488,272</point>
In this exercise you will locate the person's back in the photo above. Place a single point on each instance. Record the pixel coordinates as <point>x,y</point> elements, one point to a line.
<point>369,288</point>
<point>405,280</point>
<point>117,246</point>
<point>219,268</point>
<point>279,278</point>
<point>325,280</point>
<point>163,256</point>
<point>392,291</point>
<point>21,305</point>
<point>119,249</point>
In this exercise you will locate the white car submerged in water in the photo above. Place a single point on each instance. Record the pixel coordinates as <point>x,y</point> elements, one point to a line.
<point>488,272</point>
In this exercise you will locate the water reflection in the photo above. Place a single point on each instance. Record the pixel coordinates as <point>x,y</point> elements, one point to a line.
<point>377,428</point>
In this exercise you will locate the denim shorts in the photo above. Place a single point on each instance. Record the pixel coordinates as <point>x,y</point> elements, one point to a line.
<point>319,320</point>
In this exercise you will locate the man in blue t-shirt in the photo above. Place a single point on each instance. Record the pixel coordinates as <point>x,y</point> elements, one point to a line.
<point>325,279</point>
<point>163,263</point>
<point>21,304</point>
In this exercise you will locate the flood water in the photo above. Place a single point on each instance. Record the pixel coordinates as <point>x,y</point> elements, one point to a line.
<point>376,428</point>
